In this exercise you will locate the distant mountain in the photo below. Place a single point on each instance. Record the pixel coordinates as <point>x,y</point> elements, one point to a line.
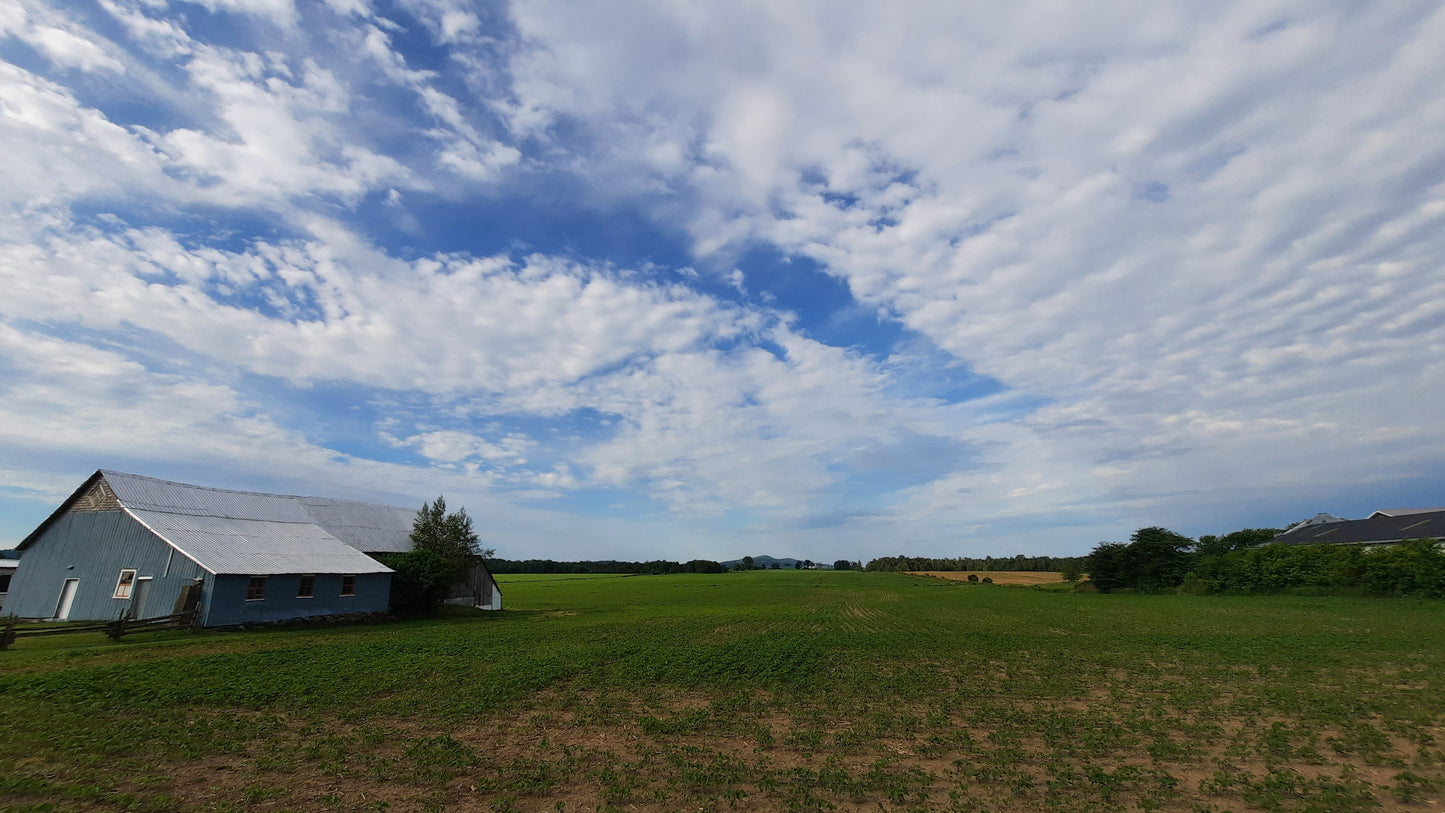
<point>766,562</point>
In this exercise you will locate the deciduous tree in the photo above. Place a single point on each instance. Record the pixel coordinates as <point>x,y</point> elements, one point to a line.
<point>448,535</point>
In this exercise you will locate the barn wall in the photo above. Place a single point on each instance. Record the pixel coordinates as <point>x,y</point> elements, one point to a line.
<point>93,547</point>
<point>476,589</point>
<point>226,602</point>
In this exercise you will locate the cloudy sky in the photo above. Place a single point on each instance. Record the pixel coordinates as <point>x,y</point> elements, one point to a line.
<point>678,279</point>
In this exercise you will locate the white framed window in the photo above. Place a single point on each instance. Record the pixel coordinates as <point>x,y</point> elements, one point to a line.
<point>307,589</point>
<point>348,585</point>
<point>125,584</point>
<point>256,589</point>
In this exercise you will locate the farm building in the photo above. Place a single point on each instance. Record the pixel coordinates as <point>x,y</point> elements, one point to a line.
<point>7,572</point>
<point>125,542</point>
<point>1385,527</point>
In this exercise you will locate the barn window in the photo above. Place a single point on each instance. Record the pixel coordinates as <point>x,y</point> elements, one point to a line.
<point>348,585</point>
<point>256,589</point>
<point>307,588</point>
<point>125,584</point>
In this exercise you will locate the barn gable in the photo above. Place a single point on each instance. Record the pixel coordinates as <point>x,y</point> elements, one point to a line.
<point>92,560</point>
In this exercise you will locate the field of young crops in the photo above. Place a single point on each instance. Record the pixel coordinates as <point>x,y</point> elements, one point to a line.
<point>773,690</point>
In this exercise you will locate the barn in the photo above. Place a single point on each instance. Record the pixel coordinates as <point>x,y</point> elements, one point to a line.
<point>1384,527</point>
<point>7,572</point>
<point>126,542</point>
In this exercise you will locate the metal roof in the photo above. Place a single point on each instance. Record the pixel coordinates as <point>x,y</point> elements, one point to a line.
<point>239,532</point>
<point>1378,529</point>
<point>149,494</point>
<point>364,526</point>
<point>257,547</point>
<point>1403,512</point>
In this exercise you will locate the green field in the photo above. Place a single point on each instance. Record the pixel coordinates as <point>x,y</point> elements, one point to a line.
<point>776,690</point>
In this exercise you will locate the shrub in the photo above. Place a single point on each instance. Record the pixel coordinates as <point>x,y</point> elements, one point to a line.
<point>1416,567</point>
<point>421,581</point>
<point>1155,559</point>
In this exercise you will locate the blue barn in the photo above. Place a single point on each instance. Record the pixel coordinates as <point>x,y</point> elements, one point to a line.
<point>125,542</point>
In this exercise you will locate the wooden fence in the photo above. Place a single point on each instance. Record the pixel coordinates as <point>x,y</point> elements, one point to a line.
<point>10,631</point>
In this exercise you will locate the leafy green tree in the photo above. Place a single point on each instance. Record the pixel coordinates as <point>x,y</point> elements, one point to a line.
<point>1211,545</point>
<point>747,564</point>
<point>1155,559</point>
<point>420,582</point>
<point>448,535</point>
<point>1159,558</point>
<point>842,564</point>
<point>1108,566</point>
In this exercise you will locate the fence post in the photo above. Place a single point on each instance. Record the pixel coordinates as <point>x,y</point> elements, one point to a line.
<point>115,629</point>
<point>7,632</point>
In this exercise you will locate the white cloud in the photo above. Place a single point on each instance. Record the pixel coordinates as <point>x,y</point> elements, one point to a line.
<point>1169,224</point>
<point>1199,247</point>
<point>53,149</point>
<point>64,44</point>
<point>280,12</point>
<point>281,135</point>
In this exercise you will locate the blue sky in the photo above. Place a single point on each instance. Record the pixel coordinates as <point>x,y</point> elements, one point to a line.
<point>641,280</point>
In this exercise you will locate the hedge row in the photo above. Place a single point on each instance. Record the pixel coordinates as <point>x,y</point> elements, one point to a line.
<point>1416,567</point>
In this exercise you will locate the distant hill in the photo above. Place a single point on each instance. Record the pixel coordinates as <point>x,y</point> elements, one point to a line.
<point>766,562</point>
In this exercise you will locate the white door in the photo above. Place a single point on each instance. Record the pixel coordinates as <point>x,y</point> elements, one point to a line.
<point>67,598</point>
<point>138,597</point>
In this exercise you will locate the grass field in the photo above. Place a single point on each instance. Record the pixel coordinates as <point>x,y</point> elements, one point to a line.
<point>775,690</point>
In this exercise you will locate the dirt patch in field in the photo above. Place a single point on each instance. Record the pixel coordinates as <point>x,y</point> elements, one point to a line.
<point>1017,577</point>
<point>690,751</point>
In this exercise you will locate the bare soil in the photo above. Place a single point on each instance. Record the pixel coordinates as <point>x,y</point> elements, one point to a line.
<point>1018,577</point>
<point>557,759</point>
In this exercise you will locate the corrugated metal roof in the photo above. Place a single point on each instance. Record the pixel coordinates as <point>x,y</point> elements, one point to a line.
<point>364,526</point>
<point>226,545</point>
<point>1377,529</point>
<point>1404,512</point>
<point>250,532</point>
<point>150,494</point>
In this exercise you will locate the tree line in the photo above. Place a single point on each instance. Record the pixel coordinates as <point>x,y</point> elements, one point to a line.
<point>1033,564</point>
<point>1159,560</point>
<point>656,567</point>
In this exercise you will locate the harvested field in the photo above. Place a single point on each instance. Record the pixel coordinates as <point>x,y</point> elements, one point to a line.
<point>1024,577</point>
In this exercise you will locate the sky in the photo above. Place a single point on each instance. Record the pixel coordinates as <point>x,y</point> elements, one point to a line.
<point>679,280</point>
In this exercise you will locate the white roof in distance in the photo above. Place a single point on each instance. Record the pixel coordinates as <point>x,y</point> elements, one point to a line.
<point>1403,512</point>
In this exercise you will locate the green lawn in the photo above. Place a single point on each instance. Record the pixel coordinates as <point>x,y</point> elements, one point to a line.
<point>773,690</point>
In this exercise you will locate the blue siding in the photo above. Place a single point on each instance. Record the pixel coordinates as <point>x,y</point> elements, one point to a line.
<point>93,547</point>
<point>226,602</point>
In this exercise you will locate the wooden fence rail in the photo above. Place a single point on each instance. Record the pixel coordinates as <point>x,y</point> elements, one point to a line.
<point>10,631</point>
